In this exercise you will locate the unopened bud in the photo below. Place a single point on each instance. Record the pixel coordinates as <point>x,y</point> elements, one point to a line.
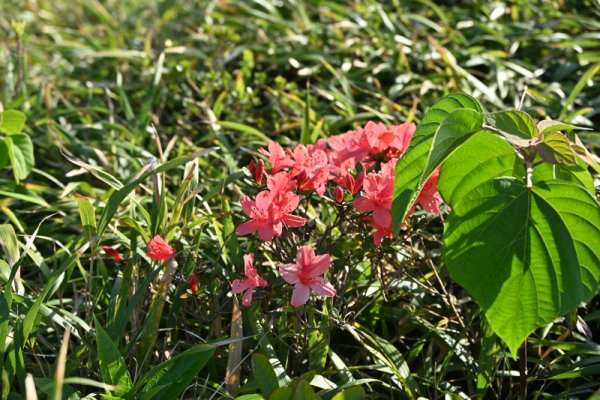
<point>338,194</point>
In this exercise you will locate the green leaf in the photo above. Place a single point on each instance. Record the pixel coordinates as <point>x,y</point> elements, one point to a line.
<point>547,125</point>
<point>555,148</point>
<point>4,153</point>
<point>265,374</point>
<point>169,379</point>
<point>483,157</point>
<point>112,366</point>
<point>526,256</point>
<point>440,133</point>
<point>515,126</point>
<point>20,153</point>
<point>12,122</point>
<point>305,134</point>
<point>587,75</point>
<point>87,216</point>
<point>354,393</point>
<point>577,174</point>
<point>304,391</point>
<point>318,340</point>
<point>285,393</point>
<point>250,397</point>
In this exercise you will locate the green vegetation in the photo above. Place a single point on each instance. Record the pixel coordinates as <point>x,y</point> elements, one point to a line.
<point>140,118</point>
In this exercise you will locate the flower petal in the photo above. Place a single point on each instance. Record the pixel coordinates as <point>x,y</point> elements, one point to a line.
<point>323,287</point>
<point>320,264</point>
<point>247,299</point>
<point>300,295</point>
<point>239,285</point>
<point>289,273</point>
<point>247,228</point>
<point>249,264</point>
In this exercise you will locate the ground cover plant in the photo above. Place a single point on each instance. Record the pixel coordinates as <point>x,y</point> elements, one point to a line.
<point>299,199</point>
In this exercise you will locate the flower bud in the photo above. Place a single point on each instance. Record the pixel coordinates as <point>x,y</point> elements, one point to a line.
<point>338,194</point>
<point>358,183</point>
<point>193,280</point>
<point>113,253</point>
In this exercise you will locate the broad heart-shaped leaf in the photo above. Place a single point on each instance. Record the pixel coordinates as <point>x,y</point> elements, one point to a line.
<point>516,126</point>
<point>112,366</point>
<point>20,154</point>
<point>428,148</point>
<point>526,256</point>
<point>169,379</point>
<point>555,148</point>
<point>12,121</point>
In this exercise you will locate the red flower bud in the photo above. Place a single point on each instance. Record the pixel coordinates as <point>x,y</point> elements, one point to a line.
<point>113,253</point>
<point>194,284</point>
<point>350,183</point>
<point>159,250</point>
<point>260,172</point>
<point>257,170</point>
<point>338,194</point>
<point>358,183</point>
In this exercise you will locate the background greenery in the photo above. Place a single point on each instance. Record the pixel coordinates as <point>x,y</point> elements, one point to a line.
<point>93,78</point>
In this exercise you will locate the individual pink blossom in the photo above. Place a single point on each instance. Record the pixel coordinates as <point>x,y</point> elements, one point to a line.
<point>278,158</point>
<point>311,168</point>
<point>305,275</point>
<point>269,213</point>
<point>252,280</point>
<point>159,250</point>
<point>379,190</point>
<point>380,232</point>
<point>429,198</point>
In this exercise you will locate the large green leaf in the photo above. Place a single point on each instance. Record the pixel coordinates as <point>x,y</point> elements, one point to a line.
<point>483,157</point>
<point>112,366</point>
<point>169,379</point>
<point>445,127</point>
<point>526,256</point>
<point>20,154</point>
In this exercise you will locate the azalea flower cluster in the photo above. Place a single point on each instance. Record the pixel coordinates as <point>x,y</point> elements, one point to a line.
<point>307,169</point>
<point>358,167</point>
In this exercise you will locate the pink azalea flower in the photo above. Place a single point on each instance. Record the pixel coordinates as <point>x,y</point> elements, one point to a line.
<point>269,213</point>
<point>250,283</point>
<point>381,231</point>
<point>278,158</point>
<point>305,275</point>
<point>311,168</point>
<point>379,191</point>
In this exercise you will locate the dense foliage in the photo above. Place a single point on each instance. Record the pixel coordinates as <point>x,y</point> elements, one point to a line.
<point>142,118</point>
